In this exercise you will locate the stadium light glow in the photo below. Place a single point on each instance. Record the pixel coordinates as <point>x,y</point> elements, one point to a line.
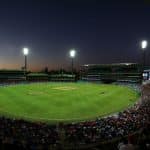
<point>144,44</point>
<point>25,51</point>
<point>72,53</point>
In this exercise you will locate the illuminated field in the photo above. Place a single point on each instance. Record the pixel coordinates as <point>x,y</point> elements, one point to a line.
<point>55,102</point>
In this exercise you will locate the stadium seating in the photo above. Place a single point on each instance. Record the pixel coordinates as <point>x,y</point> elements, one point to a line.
<point>129,72</point>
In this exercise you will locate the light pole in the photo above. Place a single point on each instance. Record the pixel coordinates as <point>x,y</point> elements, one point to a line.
<point>25,52</point>
<point>144,44</point>
<point>72,55</point>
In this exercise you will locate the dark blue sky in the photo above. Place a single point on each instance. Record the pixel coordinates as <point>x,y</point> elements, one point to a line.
<point>101,32</point>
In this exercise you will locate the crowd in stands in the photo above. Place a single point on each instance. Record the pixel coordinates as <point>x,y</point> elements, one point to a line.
<point>125,123</point>
<point>43,136</point>
<point>27,135</point>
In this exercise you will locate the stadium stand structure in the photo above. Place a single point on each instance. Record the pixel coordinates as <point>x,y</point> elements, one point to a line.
<point>146,74</point>
<point>19,76</point>
<point>11,75</point>
<point>62,77</point>
<point>50,77</point>
<point>130,72</point>
<point>37,77</point>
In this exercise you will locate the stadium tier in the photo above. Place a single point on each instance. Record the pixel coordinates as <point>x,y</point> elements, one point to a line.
<point>146,74</point>
<point>37,77</point>
<point>130,72</point>
<point>50,77</point>
<point>61,77</point>
<point>11,75</point>
<point>18,75</point>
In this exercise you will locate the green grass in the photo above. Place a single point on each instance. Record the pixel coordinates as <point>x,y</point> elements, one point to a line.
<point>55,102</point>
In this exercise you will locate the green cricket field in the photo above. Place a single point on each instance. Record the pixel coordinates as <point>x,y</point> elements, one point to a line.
<point>64,102</point>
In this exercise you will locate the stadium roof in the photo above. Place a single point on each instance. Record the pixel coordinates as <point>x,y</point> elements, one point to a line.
<point>9,70</point>
<point>37,74</point>
<point>113,64</point>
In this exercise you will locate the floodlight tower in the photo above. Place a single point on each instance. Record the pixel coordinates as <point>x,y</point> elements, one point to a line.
<point>25,52</point>
<point>72,55</point>
<point>144,44</point>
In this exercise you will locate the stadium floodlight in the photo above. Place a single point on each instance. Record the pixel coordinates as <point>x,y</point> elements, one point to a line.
<point>72,55</point>
<point>144,45</point>
<point>25,52</point>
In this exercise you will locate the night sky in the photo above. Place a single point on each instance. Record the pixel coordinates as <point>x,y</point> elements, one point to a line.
<point>101,32</point>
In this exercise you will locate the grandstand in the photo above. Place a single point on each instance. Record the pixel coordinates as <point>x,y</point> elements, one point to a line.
<point>19,76</point>
<point>130,72</point>
<point>62,77</point>
<point>37,77</point>
<point>11,75</point>
<point>146,74</point>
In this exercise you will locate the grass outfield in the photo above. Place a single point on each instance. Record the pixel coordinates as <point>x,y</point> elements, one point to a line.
<point>54,102</point>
